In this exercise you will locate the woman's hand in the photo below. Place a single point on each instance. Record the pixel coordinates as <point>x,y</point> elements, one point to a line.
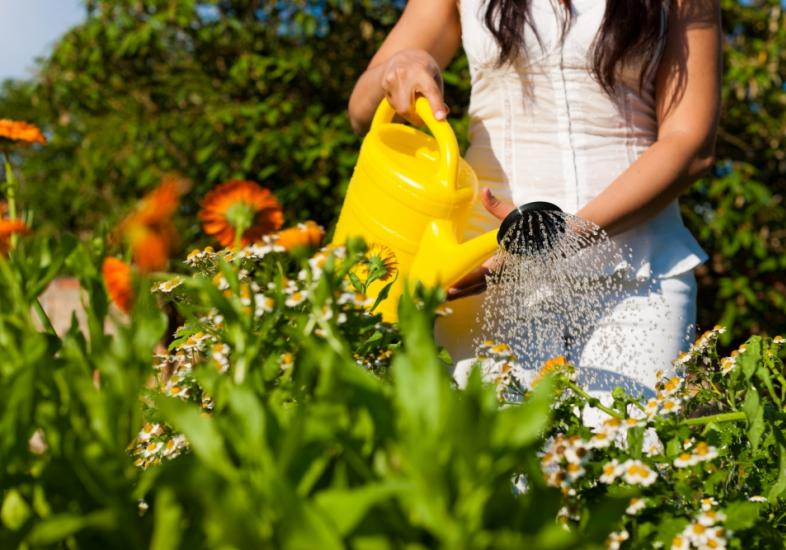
<point>410,73</point>
<point>475,281</point>
<point>423,42</point>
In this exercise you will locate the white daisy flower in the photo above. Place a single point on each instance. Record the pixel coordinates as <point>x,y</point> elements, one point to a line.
<point>651,408</point>
<point>670,406</point>
<point>152,449</point>
<point>616,538</point>
<point>263,304</point>
<point>680,542</point>
<point>709,518</point>
<point>708,503</point>
<point>635,472</point>
<point>727,365</point>
<point>295,299</point>
<point>149,431</point>
<point>574,471</point>
<point>685,460</point>
<point>635,506</point>
<point>167,287</point>
<point>757,498</point>
<point>611,471</point>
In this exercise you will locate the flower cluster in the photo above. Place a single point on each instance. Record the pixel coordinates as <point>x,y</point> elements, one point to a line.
<point>497,364</point>
<point>704,532</point>
<point>694,453</point>
<point>700,347</point>
<point>669,397</point>
<point>562,461</point>
<point>272,291</point>
<point>155,443</point>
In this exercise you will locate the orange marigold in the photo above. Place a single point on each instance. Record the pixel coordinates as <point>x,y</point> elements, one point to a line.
<point>117,278</point>
<point>240,206</point>
<point>8,228</point>
<point>308,234</point>
<point>149,229</point>
<point>16,130</point>
<point>161,203</point>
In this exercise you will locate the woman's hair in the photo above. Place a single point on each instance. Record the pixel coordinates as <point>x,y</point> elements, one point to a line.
<point>630,28</point>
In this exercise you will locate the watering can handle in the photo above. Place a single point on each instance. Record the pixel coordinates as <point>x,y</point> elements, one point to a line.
<point>441,130</point>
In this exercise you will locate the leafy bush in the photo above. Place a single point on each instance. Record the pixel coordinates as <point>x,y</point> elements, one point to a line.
<point>304,420</point>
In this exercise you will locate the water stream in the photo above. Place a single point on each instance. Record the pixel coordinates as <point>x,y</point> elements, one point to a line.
<point>555,280</point>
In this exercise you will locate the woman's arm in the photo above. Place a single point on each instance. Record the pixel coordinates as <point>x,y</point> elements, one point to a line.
<point>687,90</point>
<point>687,93</point>
<point>409,62</point>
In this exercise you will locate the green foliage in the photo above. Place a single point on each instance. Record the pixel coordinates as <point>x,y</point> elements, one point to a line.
<point>308,422</point>
<point>739,214</point>
<point>319,452</point>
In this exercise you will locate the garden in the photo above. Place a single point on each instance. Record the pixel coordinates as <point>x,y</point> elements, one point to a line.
<point>229,381</point>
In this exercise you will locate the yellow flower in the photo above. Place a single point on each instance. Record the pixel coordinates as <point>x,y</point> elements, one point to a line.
<point>380,261</point>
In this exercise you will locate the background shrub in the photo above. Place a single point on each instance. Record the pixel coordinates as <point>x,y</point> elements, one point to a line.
<point>258,90</point>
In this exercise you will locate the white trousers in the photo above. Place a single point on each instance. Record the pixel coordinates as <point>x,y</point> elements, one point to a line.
<point>642,331</point>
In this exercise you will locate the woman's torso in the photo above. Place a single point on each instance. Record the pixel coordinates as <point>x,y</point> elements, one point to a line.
<point>543,129</point>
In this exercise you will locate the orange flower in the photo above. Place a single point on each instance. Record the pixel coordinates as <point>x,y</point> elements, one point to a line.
<point>149,229</point>
<point>303,234</point>
<point>8,228</point>
<point>552,366</point>
<point>241,206</point>
<point>16,130</point>
<point>161,203</point>
<point>117,278</point>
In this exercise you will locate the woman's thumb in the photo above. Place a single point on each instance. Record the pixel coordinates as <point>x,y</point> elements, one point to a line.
<point>494,205</point>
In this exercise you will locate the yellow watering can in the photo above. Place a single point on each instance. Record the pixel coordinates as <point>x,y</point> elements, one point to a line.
<point>412,193</point>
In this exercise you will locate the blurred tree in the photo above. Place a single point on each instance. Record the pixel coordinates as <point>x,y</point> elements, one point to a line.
<point>257,89</point>
<point>211,89</point>
<point>739,213</point>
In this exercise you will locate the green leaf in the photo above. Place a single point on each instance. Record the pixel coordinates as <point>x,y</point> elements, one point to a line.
<point>754,412</point>
<point>56,528</point>
<point>15,510</point>
<point>524,424</point>
<point>168,521</point>
<point>202,433</point>
<point>779,487</point>
<point>347,508</point>
<point>750,359</point>
<point>741,515</point>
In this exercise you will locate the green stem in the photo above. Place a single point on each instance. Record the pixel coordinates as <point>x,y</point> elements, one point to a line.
<point>10,187</point>
<point>716,418</point>
<point>47,322</point>
<point>578,390</point>
<point>239,231</point>
<point>10,193</point>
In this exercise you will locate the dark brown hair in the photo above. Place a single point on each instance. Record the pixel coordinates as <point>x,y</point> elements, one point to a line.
<point>630,28</point>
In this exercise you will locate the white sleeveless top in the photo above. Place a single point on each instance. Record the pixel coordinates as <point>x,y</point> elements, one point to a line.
<point>543,129</point>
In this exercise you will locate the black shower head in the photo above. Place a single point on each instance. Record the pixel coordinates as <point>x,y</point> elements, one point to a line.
<point>526,230</point>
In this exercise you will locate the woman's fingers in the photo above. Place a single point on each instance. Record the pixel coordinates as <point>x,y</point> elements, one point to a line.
<point>497,207</point>
<point>472,283</point>
<point>411,73</point>
<point>433,94</point>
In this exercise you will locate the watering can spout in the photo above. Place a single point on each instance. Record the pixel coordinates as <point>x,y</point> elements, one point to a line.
<point>442,260</point>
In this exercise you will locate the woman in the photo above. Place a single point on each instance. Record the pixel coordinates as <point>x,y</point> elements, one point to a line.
<point>608,109</point>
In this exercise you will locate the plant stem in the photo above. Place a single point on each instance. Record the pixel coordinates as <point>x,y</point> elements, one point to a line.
<point>10,187</point>
<point>722,417</point>
<point>10,193</point>
<point>579,391</point>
